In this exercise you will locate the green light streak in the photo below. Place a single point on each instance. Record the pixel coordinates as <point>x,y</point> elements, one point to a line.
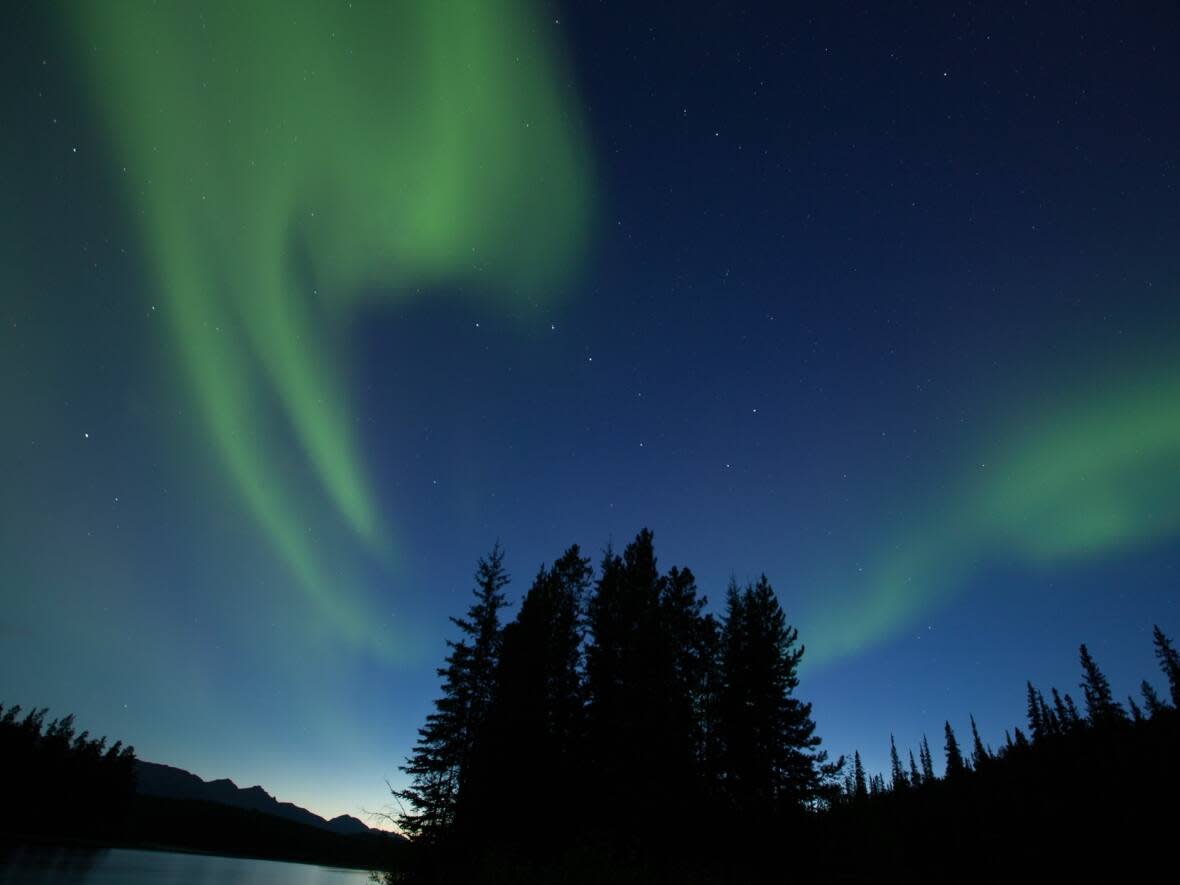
<point>1097,476</point>
<point>286,159</point>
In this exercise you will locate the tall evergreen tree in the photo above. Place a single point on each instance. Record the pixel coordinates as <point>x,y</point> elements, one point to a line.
<point>979,754</point>
<point>927,761</point>
<point>897,773</point>
<point>1036,726</point>
<point>1136,713</point>
<point>1101,707</point>
<point>1019,741</point>
<point>771,760</point>
<point>650,671</point>
<point>1151,700</point>
<point>442,754</point>
<point>858,777</point>
<point>1061,712</point>
<point>1048,718</point>
<point>915,775</point>
<point>529,767</point>
<point>1169,660</point>
<point>955,767</point>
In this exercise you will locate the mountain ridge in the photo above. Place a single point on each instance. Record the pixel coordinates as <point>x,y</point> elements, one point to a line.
<point>170,782</point>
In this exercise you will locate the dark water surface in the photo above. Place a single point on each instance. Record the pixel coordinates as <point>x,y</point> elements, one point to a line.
<point>35,864</point>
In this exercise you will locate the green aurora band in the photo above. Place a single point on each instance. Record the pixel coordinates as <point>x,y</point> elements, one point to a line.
<point>1098,475</point>
<point>287,159</point>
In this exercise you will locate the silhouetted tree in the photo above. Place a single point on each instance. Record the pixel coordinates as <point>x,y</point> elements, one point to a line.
<point>955,766</point>
<point>1151,700</point>
<point>896,772</point>
<point>927,761</point>
<point>526,776</point>
<point>1049,721</point>
<point>47,767</point>
<point>1019,741</point>
<point>860,788</point>
<point>915,775</point>
<point>1036,726</point>
<point>1136,713</point>
<point>979,754</point>
<point>447,741</point>
<point>1169,660</point>
<point>771,760</point>
<point>1101,707</point>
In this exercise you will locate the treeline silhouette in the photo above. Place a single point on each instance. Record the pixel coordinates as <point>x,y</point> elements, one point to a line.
<point>612,719</point>
<point>56,782</point>
<point>57,786</point>
<point>1080,789</point>
<point>615,731</point>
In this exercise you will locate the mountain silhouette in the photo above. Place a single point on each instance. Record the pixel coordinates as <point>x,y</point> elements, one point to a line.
<point>169,782</point>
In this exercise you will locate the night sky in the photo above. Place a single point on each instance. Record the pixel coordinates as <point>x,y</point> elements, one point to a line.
<point>305,305</point>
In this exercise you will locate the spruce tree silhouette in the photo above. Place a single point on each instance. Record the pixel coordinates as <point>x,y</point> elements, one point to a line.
<point>527,776</point>
<point>1169,660</point>
<point>915,776</point>
<point>1020,742</point>
<point>1101,707</point>
<point>625,687</point>
<point>927,761</point>
<point>1048,718</point>
<point>1151,700</point>
<point>955,767</point>
<point>979,754</point>
<point>451,734</point>
<point>1036,726</point>
<point>859,786</point>
<point>896,772</point>
<point>771,761</point>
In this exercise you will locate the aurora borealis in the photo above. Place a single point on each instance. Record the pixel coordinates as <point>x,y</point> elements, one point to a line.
<point>307,304</point>
<point>337,151</point>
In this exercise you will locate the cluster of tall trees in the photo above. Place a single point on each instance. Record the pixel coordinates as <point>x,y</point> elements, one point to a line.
<point>56,781</point>
<point>1048,722</point>
<point>613,705</point>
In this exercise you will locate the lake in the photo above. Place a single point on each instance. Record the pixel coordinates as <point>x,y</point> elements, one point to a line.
<point>34,865</point>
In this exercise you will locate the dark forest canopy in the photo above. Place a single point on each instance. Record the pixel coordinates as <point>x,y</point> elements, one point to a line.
<point>614,727</point>
<point>611,703</point>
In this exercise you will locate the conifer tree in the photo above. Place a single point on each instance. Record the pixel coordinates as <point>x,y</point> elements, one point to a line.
<point>1169,660</point>
<point>1048,718</point>
<point>979,754</point>
<point>897,773</point>
<point>927,761</point>
<point>1071,712</point>
<point>1019,741</point>
<point>1036,726</point>
<point>955,767</point>
<point>770,755</point>
<point>1151,700</point>
<point>915,775</point>
<point>1101,707</point>
<point>1064,718</point>
<point>446,742</point>
<point>860,788</point>
<point>527,772</point>
<point>1136,713</point>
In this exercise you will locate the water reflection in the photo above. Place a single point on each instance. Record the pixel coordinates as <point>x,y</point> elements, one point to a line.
<point>43,865</point>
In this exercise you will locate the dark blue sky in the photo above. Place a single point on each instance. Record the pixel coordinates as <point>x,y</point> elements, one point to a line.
<point>880,302</point>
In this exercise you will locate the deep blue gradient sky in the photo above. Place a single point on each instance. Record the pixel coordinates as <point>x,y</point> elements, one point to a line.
<point>881,302</point>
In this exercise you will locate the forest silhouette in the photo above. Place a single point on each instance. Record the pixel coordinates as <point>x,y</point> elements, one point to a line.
<point>615,730</point>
